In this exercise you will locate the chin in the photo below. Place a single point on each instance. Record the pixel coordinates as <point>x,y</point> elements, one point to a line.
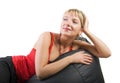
<point>67,33</point>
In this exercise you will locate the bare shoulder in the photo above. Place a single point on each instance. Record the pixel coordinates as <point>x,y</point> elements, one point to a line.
<point>45,35</point>
<point>44,38</point>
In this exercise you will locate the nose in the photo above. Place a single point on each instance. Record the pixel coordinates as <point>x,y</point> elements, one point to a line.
<point>68,23</point>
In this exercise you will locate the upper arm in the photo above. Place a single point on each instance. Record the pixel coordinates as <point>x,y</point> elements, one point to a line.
<point>42,51</point>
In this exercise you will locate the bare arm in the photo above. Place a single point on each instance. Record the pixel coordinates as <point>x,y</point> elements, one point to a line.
<point>99,48</point>
<point>42,67</point>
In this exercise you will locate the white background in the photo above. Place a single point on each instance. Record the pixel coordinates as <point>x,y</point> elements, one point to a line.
<point>21,23</point>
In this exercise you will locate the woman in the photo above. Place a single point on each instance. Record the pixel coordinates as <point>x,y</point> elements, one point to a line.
<point>49,47</point>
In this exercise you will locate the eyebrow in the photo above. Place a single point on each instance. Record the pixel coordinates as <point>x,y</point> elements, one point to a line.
<point>65,16</point>
<point>76,18</point>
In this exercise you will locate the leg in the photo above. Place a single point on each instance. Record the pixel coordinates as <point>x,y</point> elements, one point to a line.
<point>7,71</point>
<point>4,71</point>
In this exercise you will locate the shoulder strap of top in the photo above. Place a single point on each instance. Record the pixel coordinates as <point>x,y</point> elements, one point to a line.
<point>51,45</point>
<point>71,47</point>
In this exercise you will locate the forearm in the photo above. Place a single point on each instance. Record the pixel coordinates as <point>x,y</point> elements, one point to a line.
<point>53,68</point>
<point>100,47</point>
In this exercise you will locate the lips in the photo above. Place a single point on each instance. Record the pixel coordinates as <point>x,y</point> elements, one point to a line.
<point>67,29</point>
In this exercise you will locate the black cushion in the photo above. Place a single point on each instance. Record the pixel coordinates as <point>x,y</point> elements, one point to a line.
<point>75,73</point>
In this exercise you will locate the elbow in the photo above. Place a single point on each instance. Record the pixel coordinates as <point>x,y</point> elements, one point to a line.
<point>106,55</point>
<point>40,75</point>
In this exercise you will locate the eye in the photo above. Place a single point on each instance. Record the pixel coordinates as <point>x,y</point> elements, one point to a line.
<point>65,19</point>
<point>75,22</point>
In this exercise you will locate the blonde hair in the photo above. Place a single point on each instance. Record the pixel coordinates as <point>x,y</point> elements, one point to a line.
<point>78,13</point>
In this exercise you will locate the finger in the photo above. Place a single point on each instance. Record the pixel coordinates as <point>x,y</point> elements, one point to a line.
<point>88,60</point>
<point>87,63</point>
<point>88,57</point>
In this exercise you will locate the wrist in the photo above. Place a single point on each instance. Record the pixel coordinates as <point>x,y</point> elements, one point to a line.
<point>86,32</point>
<point>70,59</point>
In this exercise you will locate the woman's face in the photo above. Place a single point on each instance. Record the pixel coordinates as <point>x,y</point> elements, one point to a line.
<point>70,25</point>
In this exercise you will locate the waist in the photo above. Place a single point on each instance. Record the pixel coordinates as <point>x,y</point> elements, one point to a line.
<point>24,65</point>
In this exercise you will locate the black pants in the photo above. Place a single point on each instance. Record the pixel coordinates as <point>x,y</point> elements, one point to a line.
<point>7,70</point>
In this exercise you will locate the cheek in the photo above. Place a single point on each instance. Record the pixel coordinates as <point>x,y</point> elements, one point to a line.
<point>62,23</point>
<point>78,30</point>
<point>61,27</point>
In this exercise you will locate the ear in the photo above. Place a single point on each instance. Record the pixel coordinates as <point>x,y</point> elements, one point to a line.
<point>78,35</point>
<point>80,32</point>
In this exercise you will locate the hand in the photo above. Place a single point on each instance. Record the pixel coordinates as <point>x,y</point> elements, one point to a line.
<point>82,57</point>
<point>85,27</point>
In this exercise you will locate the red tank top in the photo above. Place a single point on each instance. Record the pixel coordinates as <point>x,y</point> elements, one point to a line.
<point>25,65</point>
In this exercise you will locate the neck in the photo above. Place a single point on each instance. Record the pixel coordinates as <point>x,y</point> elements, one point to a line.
<point>65,41</point>
<point>65,44</point>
